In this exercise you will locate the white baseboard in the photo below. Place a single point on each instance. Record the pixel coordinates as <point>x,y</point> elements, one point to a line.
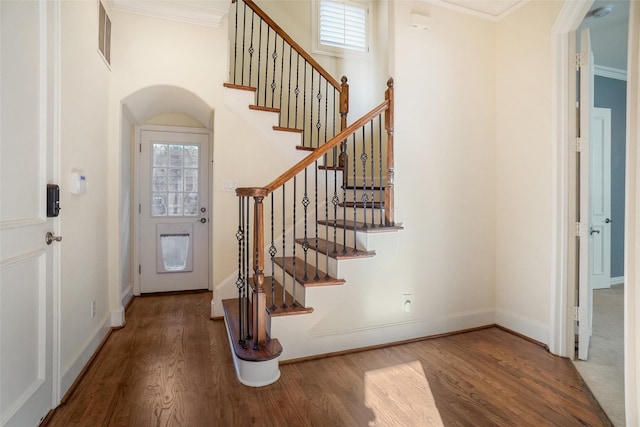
<point>300,339</point>
<point>77,364</point>
<point>527,327</point>
<point>126,295</point>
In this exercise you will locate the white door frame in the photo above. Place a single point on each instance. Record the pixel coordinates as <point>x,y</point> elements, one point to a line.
<point>562,295</point>
<point>137,196</point>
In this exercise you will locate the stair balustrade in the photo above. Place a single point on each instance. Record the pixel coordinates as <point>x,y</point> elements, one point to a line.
<point>285,78</point>
<point>342,187</point>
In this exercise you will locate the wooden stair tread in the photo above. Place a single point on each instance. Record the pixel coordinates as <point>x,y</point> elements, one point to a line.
<point>323,280</point>
<point>239,87</point>
<point>285,129</point>
<point>303,148</point>
<point>361,226</point>
<point>330,168</point>
<point>270,350</point>
<point>261,108</point>
<point>341,251</point>
<point>276,309</point>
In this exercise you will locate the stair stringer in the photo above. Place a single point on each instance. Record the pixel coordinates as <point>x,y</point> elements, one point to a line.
<point>368,310</point>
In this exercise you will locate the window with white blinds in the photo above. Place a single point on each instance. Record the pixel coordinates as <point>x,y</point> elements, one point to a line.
<point>343,24</point>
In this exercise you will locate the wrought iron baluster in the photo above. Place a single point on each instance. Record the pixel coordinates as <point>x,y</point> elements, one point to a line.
<point>363,159</point>
<point>335,201</point>
<point>305,205</point>
<point>343,156</point>
<point>259,60</point>
<point>297,91</point>
<point>304,102</point>
<point>326,178</point>
<point>274,55</point>
<point>326,112</point>
<point>355,190</point>
<point>311,112</point>
<point>294,244</point>
<point>381,189</point>
<point>251,49</point>
<point>244,36</point>
<point>247,266</point>
<point>281,77</point>
<point>315,184</point>
<point>235,46</point>
<point>240,280</point>
<point>266,67</point>
<point>318,122</point>
<point>272,252</point>
<point>289,89</point>
<point>373,202</point>
<point>284,250</point>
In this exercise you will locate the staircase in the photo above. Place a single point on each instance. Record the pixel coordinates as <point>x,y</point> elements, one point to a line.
<point>308,242</point>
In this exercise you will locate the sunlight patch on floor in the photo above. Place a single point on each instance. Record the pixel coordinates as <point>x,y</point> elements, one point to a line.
<point>400,396</point>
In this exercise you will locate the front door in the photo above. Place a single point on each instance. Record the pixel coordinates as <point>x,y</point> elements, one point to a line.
<point>28,35</point>
<point>174,209</point>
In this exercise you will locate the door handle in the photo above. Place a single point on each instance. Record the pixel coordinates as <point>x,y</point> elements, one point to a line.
<point>607,220</point>
<point>50,238</point>
<point>591,231</point>
<point>203,220</point>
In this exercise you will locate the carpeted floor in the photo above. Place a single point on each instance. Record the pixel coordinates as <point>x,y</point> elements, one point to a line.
<point>604,370</point>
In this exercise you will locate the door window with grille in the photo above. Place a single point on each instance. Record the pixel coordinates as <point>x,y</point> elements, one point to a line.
<point>174,180</point>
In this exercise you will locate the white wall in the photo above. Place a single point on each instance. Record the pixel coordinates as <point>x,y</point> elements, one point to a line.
<point>523,169</point>
<point>445,159</point>
<point>84,109</point>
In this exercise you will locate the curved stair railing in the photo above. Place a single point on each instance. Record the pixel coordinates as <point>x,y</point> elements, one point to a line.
<point>314,211</point>
<point>284,77</point>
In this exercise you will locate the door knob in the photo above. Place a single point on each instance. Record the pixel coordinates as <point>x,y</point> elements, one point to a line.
<point>607,220</point>
<point>50,238</point>
<point>203,220</point>
<point>591,231</point>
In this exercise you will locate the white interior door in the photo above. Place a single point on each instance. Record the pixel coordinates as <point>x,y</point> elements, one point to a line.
<point>28,32</point>
<point>600,191</point>
<point>174,209</point>
<point>585,297</point>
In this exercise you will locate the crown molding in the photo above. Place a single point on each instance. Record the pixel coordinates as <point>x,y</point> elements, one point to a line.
<point>490,10</point>
<point>609,72</point>
<point>209,14</point>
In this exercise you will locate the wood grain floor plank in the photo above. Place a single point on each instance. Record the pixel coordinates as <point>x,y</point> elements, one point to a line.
<point>171,366</point>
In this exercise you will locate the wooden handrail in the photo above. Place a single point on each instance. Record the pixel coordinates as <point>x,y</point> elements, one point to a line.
<point>282,33</point>
<point>315,155</point>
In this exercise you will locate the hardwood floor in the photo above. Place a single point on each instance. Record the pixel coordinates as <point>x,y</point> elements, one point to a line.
<point>171,366</point>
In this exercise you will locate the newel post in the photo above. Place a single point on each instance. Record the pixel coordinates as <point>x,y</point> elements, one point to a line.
<point>388,125</point>
<point>259,300</point>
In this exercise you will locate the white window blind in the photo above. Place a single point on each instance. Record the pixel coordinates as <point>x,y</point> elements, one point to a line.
<point>343,24</point>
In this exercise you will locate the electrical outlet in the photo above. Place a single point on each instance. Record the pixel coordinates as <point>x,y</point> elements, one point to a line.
<point>93,309</point>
